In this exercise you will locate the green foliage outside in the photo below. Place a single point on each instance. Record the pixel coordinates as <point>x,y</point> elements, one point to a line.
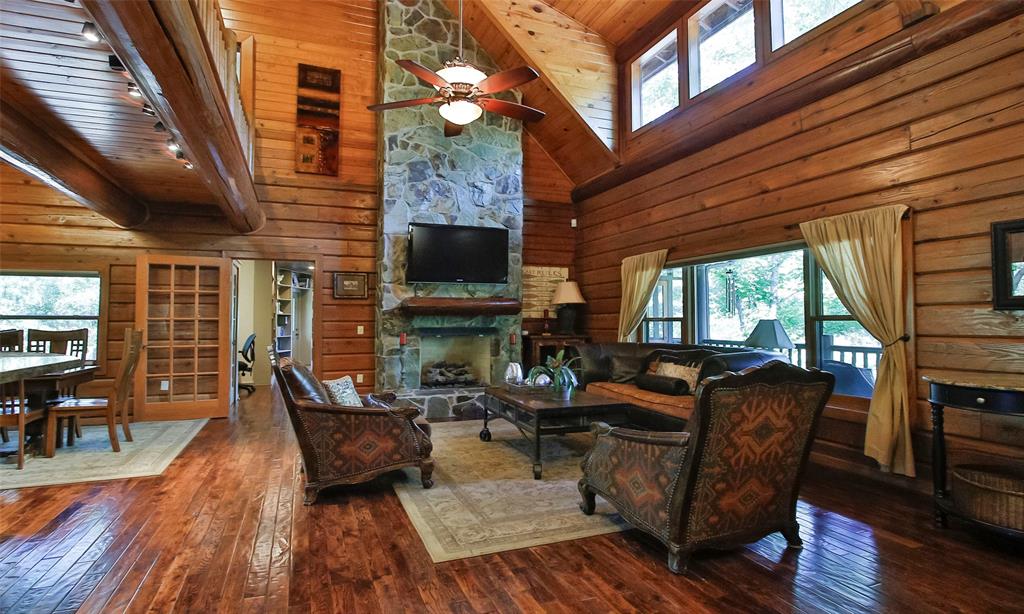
<point>800,16</point>
<point>25,297</point>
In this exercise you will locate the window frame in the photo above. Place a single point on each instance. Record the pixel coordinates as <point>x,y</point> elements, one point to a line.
<point>693,53</point>
<point>694,303</point>
<point>764,55</point>
<point>103,273</point>
<point>636,103</point>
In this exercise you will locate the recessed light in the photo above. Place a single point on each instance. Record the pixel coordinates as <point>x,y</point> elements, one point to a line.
<point>188,165</point>
<point>90,32</point>
<point>311,267</point>
<point>115,64</point>
<point>159,127</point>
<point>134,91</point>
<point>179,154</point>
<point>173,145</point>
<point>148,110</point>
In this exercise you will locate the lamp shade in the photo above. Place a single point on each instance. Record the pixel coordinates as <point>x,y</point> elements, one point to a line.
<point>769,334</point>
<point>567,293</point>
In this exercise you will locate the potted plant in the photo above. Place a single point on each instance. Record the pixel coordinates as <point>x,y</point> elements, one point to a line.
<point>559,371</point>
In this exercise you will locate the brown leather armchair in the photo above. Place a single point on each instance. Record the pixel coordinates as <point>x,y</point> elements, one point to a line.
<point>348,445</point>
<point>731,479</point>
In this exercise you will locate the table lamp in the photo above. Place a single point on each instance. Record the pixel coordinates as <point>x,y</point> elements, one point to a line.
<point>567,296</point>
<point>769,334</point>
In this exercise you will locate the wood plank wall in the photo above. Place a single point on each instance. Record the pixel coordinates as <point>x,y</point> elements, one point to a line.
<point>333,219</point>
<point>943,134</point>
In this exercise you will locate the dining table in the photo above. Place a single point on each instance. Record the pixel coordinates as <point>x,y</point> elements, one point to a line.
<point>18,367</point>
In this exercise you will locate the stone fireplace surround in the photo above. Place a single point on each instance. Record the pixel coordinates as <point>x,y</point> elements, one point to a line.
<point>474,179</point>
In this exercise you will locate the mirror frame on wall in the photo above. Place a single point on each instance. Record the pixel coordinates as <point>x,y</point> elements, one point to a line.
<point>1002,290</point>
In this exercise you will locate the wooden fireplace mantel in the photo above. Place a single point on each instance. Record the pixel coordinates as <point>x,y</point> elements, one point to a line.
<point>448,306</point>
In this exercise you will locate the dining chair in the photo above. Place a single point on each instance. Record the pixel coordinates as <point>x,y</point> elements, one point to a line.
<point>12,340</point>
<point>71,342</point>
<point>109,406</point>
<point>14,412</point>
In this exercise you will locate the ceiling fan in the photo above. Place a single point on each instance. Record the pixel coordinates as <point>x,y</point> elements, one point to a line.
<point>464,91</point>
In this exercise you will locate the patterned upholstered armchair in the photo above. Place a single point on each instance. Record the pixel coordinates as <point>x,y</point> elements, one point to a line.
<point>348,445</point>
<point>731,479</point>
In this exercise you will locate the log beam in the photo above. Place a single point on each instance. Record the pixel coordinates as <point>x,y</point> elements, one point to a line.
<point>30,149</point>
<point>916,41</point>
<point>163,48</point>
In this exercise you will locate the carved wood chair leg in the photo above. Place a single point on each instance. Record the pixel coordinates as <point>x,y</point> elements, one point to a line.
<point>792,535</point>
<point>678,559</point>
<point>426,472</point>
<point>112,431</point>
<point>310,494</point>
<point>78,427</point>
<point>589,502</point>
<point>3,434</point>
<point>124,425</point>
<point>50,445</point>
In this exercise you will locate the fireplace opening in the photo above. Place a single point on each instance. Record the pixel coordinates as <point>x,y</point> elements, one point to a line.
<point>455,362</point>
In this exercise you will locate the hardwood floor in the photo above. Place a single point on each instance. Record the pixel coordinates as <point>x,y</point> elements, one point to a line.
<point>224,529</point>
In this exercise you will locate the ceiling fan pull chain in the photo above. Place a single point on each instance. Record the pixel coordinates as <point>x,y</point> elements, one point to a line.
<point>461,55</point>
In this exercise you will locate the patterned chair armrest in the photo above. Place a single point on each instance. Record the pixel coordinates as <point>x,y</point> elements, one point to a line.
<point>638,472</point>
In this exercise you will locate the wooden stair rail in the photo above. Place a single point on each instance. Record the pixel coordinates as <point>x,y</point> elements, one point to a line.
<point>29,148</point>
<point>164,47</point>
<point>916,41</point>
<point>448,306</point>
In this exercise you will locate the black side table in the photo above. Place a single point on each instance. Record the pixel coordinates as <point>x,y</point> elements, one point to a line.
<point>1005,400</point>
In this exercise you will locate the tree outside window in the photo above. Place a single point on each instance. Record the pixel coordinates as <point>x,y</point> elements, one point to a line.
<point>51,302</point>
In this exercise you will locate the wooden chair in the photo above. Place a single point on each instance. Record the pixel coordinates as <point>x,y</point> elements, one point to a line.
<point>12,340</point>
<point>108,407</point>
<point>14,413</point>
<point>71,342</point>
<point>731,478</point>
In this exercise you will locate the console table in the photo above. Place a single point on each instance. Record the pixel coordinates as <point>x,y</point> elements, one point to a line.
<point>1007,400</point>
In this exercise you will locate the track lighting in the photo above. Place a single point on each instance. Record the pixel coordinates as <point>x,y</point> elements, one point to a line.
<point>148,110</point>
<point>115,64</point>
<point>173,146</point>
<point>134,91</point>
<point>179,155</point>
<point>90,32</point>
<point>188,165</point>
<point>159,127</point>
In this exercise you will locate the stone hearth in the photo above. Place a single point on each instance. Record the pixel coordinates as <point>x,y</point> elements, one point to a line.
<point>474,179</point>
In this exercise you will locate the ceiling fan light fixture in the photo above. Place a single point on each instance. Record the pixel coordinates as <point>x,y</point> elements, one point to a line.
<point>460,112</point>
<point>460,72</point>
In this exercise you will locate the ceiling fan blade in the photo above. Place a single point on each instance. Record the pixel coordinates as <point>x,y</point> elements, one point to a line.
<point>451,129</point>
<point>404,103</point>
<point>511,109</point>
<point>423,73</point>
<point>507,79</point>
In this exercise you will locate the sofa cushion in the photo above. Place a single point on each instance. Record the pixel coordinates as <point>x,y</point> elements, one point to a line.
<point>687,373</point>
<point>303,385</point>
<point>625,368</point>
<point>672,386</point>
<point>678,406</point>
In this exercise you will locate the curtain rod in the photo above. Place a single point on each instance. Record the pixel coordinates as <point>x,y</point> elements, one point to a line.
<point>905,216</point>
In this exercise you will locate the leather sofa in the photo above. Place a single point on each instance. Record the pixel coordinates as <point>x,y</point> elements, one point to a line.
<point>603,362</point>
<point>348,445</point>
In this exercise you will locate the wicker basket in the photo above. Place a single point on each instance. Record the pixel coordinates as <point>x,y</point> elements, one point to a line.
<point>990,493</point>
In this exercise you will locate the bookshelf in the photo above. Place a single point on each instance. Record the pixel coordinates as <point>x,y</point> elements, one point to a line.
<point>292,292</point>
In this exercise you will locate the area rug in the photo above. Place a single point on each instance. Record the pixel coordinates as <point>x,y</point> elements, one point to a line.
<point>91,459</point>
<point>485,499</point>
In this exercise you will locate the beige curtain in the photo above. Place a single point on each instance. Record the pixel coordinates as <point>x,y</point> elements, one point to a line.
<point>639,276</point>
<point>862,255</point>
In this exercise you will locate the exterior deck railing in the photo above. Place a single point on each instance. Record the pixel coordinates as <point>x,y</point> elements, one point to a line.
<point>858,356</point>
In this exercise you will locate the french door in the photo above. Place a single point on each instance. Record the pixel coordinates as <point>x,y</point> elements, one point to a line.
<point>183,306</point>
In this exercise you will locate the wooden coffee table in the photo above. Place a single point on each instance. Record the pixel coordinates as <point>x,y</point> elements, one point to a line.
<point>536,415</point>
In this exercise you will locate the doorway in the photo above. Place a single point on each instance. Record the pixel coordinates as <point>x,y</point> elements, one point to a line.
<point>275,306</point>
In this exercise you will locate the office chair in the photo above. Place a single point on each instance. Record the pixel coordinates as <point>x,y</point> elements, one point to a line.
<point>248,354</point>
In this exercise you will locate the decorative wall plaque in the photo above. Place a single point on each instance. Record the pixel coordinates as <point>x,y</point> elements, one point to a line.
<point>317,120</point>
<point>539,284</point>
<point>351,285</point>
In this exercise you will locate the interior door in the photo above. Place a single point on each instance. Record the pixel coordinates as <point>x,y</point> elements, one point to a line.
<point>233,383</point>
<point>183,306</point>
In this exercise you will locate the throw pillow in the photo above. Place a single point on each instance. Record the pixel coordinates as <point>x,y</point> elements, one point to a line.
<point>662,384</point>
<point>684,372</point>
<point>343,392</point>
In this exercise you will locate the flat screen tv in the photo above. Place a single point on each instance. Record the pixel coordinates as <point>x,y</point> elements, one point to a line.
<point>440,253</point>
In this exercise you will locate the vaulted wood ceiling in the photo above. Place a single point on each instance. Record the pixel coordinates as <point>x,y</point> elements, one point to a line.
<point>615,20</point>
<point>65,85</point>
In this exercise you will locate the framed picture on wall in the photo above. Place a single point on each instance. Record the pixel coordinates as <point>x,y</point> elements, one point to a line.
<point>351,285</point>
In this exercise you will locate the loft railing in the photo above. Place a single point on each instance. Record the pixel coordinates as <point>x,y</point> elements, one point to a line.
<point>223,48</point>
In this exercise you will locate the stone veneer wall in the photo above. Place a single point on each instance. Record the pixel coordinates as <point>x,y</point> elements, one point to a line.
<point>473,179</point>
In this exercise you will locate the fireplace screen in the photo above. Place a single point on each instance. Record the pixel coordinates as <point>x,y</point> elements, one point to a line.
<point>455,362</point>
